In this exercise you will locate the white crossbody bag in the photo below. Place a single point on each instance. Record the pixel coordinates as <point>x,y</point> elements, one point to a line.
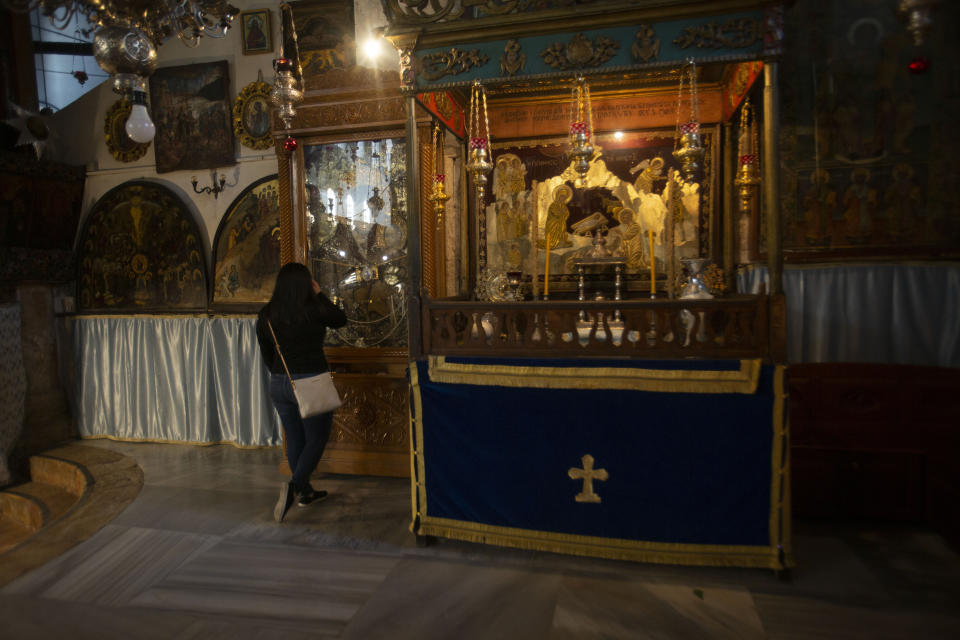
<point>316,394</point>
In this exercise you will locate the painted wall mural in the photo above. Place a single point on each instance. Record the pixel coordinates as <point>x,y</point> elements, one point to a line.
<point>867,137</point>
<point>247,246</point>
<point>140,250</point>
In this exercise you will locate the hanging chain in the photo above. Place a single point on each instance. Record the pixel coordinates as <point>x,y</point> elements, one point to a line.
<point>486,123</point>
<point>589,107</point>
<point>477,94</point>
<point>691,70</point>
<point>694,101</point>
<point>676,137</point>
<point>473,111</point>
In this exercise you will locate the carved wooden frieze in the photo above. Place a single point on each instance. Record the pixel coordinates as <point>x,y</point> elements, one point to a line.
<point>351,113</point>
<point>647,45</point>
<point>374,412</point>
<point>732,34</point>
<point>580,52</point>
<point>352,78</point>
<point>434,66</point>
<point>513,59</point>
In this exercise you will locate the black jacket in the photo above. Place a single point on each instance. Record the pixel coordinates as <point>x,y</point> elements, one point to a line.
<point>302,340</point>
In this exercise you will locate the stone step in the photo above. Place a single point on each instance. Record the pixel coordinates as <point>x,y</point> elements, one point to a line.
<point>36,504</point>
<point>12,533</point>
<point>59,472</point>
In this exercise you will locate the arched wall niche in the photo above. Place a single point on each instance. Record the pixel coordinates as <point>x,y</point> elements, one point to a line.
<point>141,251</point>
<point>246,248</point>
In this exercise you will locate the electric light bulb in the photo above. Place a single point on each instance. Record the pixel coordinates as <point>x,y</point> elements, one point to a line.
<point>139,126</point>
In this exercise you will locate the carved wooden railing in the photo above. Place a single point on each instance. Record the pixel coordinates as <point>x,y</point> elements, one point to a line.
<point>731,327</point>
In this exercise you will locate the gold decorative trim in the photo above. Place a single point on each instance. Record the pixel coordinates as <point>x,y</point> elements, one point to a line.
<point>647,45</point>
<point>513,59</point>
<point>434,66</point>
<point>780,471</point>
<point>120,145</point>
<point>417,465</point>
<point>428,222</point>
<point>732,34</point>
<point>612,548</point>
<point>744,380</point>
<point>254,94</point>
<point>365,113</point>
<point>286,183</point>
<point>768,557</point>
<point>580,52</point>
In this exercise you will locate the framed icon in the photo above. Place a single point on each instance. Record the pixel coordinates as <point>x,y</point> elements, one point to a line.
<point>251,116</point>
<point>255,32</point>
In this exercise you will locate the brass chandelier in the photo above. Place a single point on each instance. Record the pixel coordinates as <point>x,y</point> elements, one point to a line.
<point>127,34</point>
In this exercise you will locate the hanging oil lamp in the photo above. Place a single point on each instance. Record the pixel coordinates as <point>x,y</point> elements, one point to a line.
<point>478,165</point>
<point>688,148</point>
<point>581,128</point>
<point>438,197</point>
<point>375,202</point>
<point>748,172</point>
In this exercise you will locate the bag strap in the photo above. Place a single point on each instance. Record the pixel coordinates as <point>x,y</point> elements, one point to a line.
<point>282,360</point>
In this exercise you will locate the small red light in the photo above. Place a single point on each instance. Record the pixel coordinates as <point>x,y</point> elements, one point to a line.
<point>919,65</point>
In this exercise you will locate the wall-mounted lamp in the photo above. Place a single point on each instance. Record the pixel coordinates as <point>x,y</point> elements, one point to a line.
<point>217,185</point>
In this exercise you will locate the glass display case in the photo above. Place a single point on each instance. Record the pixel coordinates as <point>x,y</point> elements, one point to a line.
<point>357,236</point>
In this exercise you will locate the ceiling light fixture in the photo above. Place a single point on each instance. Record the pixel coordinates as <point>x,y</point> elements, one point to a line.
<point>128,33</point>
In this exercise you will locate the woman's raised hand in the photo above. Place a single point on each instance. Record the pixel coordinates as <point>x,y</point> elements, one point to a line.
<point>316,287</point>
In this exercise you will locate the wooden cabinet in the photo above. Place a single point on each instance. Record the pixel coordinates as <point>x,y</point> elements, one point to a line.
<point>876,441</point>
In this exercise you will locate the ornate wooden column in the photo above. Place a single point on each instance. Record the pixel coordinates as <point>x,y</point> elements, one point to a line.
<point>771,174</point>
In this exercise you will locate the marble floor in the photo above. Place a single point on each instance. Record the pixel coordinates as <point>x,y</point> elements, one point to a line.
<point>198,555</point>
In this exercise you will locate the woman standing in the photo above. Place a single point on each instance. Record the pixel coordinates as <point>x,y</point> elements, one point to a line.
<point>298,314</point>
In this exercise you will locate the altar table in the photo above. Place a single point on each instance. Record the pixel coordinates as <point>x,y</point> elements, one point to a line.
<point>679,461</point>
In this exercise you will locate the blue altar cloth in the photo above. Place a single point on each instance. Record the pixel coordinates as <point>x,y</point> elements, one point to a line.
<point>693,453</point>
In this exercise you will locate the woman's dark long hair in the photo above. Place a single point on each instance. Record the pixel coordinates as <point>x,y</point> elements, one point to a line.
<point>292,295</point>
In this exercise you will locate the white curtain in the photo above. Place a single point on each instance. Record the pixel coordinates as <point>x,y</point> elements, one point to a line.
<point>880,313</point>
<point>186,379</point>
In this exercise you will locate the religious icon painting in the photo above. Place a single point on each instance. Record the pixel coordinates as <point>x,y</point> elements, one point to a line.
<point>190,106</point>
<point>251,116</point>
<point>255,32</point>
<point>325,34</point>
<point>141,251</point>
<point>115,135</point>
<point>247,247</point>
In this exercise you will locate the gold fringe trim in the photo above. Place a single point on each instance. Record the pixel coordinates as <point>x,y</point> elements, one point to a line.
<point>612,548</point>
<point>418,480</point>
<point>192,443</point>
<point>780,470</point>
<point>744,380</point>
<point>415,441</point>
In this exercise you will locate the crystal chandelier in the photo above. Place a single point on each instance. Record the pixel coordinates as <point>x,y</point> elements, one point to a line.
<point>127,35</point>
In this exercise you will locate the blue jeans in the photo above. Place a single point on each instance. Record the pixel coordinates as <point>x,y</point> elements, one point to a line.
<point>305,437</point>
